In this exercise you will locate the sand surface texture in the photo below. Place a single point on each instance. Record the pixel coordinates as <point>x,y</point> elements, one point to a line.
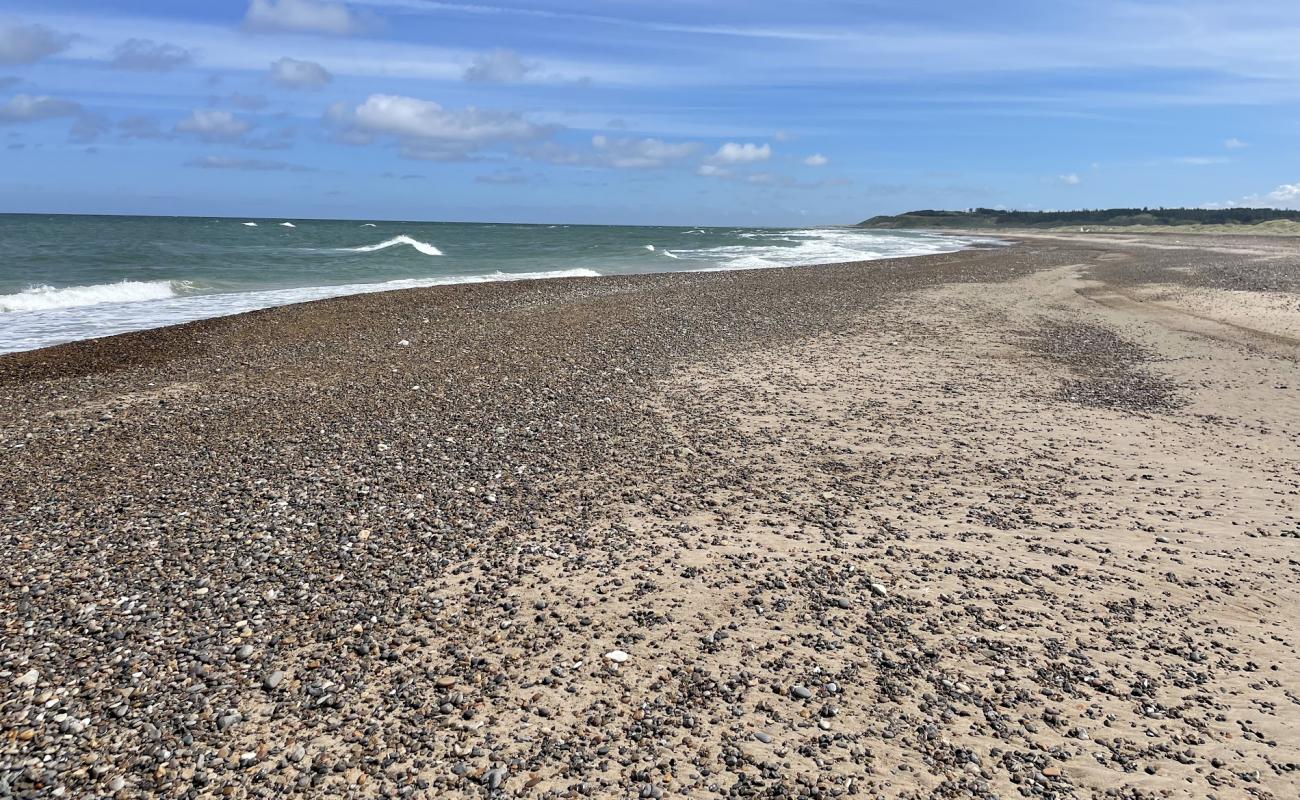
<point>1013,522</point>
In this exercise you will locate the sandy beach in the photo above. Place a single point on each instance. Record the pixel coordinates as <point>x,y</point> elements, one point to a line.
<point>1018,521</point>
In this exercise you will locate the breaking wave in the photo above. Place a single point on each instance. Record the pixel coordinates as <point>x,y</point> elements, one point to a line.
<point>49,324</point>
<point>45,298</point>
<point>423,247</point>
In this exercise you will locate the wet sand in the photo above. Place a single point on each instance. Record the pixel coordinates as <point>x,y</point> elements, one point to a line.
<point>1012,522</point>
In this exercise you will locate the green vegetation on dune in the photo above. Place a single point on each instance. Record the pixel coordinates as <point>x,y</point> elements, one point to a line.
<point>1098,218</point>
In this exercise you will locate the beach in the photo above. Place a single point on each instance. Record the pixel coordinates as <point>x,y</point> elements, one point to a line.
<point>1011,521</point>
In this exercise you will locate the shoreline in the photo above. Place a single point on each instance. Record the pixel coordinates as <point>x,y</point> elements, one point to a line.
<point>45,315</point>
<point>979,522</point>
<point>458,280</point>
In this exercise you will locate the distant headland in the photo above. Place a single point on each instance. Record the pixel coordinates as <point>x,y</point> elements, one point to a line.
<point>1220,220</point>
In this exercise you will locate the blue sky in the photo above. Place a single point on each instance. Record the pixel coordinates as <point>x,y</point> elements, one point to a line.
<point>630,111</point>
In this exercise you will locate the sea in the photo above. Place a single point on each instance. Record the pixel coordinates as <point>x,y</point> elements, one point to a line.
<point>65,278</point>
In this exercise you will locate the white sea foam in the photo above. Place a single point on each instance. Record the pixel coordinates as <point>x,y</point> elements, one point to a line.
<point>670,254</point>
<point>768,249</point>
<point>367,224</point>
<point>44,298</point>
<point>650,247</point>
<point>48,325</point>
<point>423,247</point>
<point>287,225</point>
<point>249,224</point>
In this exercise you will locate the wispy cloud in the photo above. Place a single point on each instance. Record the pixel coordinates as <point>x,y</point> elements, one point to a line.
<point>146,55</point>
<point>499,66</point>
<point>632,153</point>
<point>244,102</point>
<point>816,160</point>
<point>140,126</point>
<point>27,44</point>
<point>1235,144</point>
<point>1189,161</point>
<point>309,16</point>
<point>251,164</point>
<point>32,108</point>
<point>612,152</point>
<point>506,177</point>
<point>212,125</point>
<point>1069,179</point>
<point>292,73</point>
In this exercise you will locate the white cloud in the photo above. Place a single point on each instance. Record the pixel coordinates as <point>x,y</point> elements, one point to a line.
<point>409,116</point>
<point>1288,194</point>
<point>712,171</point>
<point>27,44</point>
<point>816,160</point>
<point>30,108</point>
<point>734,153</point>
<point>426,130</point>
<point>1069,179</point>
<point>295,74</point>
<point>783,136</point>
<point>498,66</point>
<point>615,153</point>
<point>146,55</point>
<point>254,164</point>
<point>640,153</point>
<point>1235,144</point>
<point>309,16</point>
<point>212,125</point>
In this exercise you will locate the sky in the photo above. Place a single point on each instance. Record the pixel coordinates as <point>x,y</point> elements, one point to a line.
<point>644,112</point>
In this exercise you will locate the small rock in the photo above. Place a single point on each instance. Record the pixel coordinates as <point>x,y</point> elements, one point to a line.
<point>617,656</point>
<point>28,678</point>
<point>271,681</point>
<point>763,737</point>
<point>801,692</point>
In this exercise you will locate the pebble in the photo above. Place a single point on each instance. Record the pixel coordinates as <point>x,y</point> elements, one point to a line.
<point>295,506</point>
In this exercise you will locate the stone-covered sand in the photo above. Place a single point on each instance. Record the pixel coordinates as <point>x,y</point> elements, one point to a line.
<point>1006,522</point>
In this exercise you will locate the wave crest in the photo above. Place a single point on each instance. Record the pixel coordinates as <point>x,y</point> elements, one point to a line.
<point>43,298</point>
<point>423,247</point>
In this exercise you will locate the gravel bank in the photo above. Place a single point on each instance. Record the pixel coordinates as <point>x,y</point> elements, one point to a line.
<point>774,533</point>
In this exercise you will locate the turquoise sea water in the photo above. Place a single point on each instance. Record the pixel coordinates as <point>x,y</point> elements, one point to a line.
<point>64,278</point>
